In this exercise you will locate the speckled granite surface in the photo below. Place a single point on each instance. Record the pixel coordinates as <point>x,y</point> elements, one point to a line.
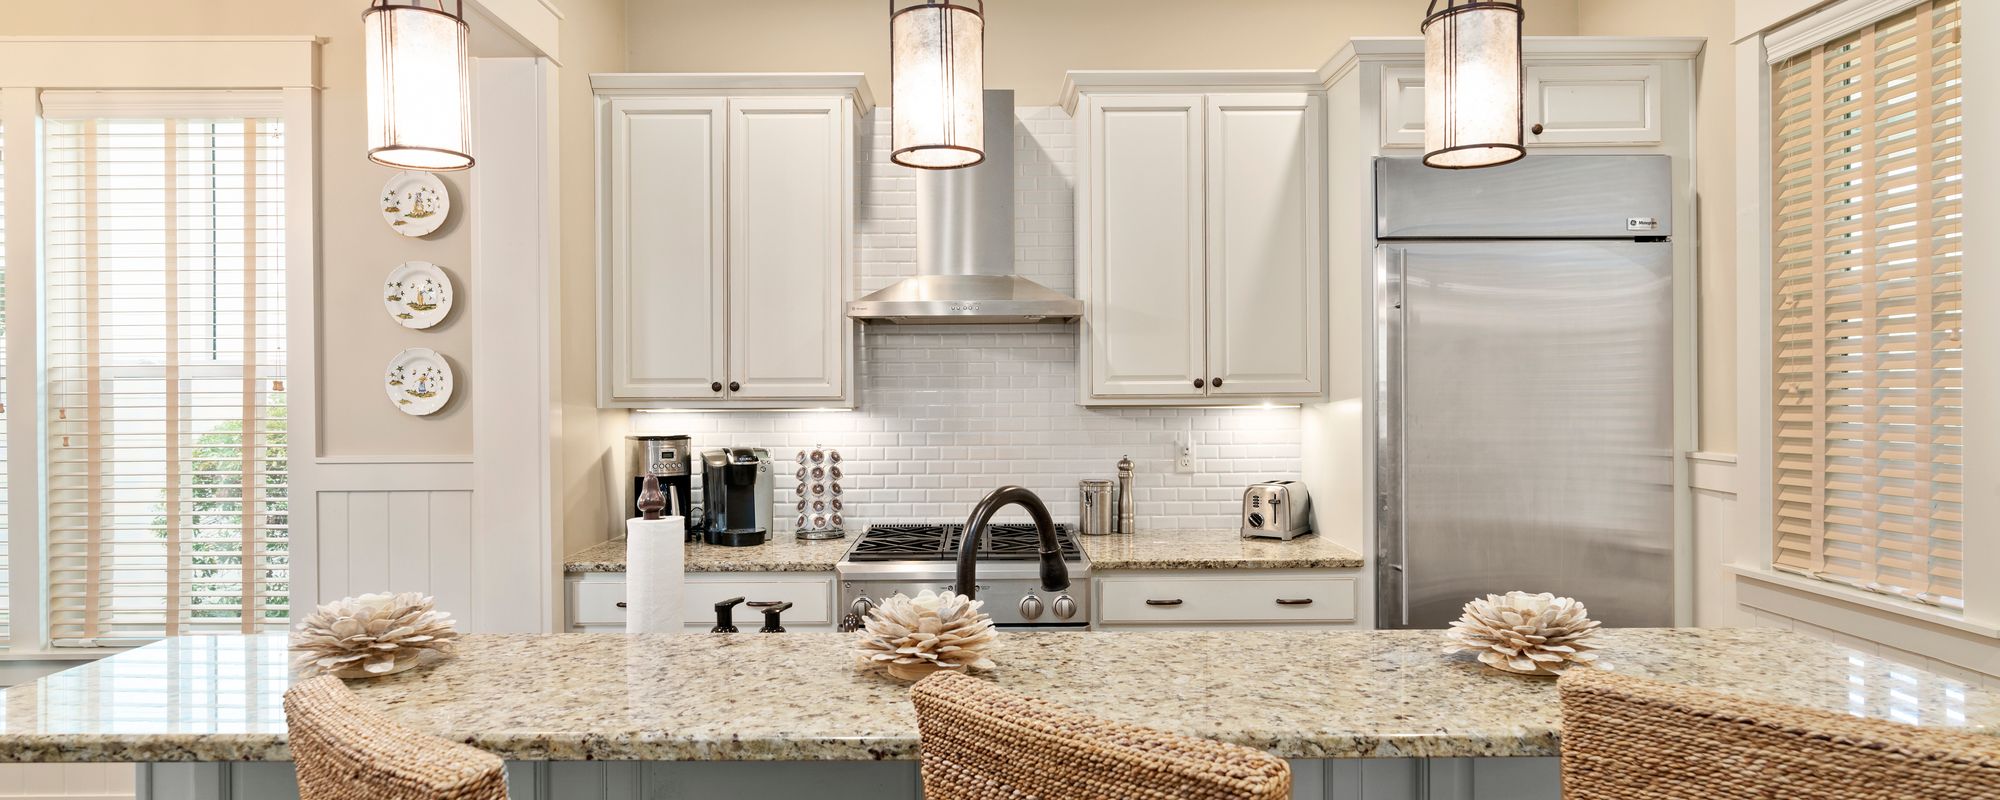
<point>1213,549</point>
<point>1166,549</point>
<point>783,553</point>
<point>1298,694</point>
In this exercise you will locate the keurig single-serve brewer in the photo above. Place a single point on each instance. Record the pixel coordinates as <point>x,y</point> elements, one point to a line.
<point>737,496</point>
<point>668,458</point>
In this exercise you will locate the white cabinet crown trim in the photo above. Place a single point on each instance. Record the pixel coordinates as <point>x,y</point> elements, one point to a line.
<point>1143,81</point>
<point>852,84</point>
<point>1533,48</point>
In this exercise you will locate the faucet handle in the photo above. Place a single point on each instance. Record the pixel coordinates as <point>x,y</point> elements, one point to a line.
<point>725,612</point>
<point>771,622</point>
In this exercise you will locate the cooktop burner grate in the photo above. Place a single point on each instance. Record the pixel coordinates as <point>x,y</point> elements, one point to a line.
<point>1014,541</point>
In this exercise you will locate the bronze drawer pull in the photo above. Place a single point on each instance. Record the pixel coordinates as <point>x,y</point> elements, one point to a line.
<point>1174,602</point>
<point>762,603</point>
<point>1299,602</point>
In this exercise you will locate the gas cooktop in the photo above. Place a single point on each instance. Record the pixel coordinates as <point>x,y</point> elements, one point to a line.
<point>939,541</point>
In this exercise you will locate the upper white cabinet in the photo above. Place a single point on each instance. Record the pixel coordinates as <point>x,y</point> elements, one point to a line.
<point>1200,248</point>
<point>725,251</point>
<point>1565,100</point>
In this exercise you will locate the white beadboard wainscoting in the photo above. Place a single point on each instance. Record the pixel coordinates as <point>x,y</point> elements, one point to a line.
<point>1726,596</point>
<point>947,413</point>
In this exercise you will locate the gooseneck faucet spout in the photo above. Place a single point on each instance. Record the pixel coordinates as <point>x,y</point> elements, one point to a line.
<point>1055,575</point>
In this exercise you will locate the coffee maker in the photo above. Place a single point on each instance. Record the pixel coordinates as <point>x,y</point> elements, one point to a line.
<point>669,459</point>
<point>737,496</point>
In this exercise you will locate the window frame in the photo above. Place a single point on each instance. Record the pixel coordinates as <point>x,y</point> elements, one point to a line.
<point>283,64</point>
<point>1749,554</point>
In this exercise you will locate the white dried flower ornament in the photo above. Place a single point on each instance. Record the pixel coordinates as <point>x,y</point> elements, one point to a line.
<point>372,635</point>
<point>1526,634</point>
<point>915,636</point>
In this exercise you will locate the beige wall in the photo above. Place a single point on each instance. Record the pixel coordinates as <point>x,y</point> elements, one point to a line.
<point>357,249</point>
<point>592,41</point>
<point>1029,43</point>
<point>1715,112</point>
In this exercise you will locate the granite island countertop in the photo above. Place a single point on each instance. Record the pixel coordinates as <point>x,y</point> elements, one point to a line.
<point>799,697</point>
<point>1192,549</point>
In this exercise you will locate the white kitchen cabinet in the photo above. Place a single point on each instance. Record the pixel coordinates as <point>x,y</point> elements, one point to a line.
<point>726,252</point>
<point>1225,598</point>
<point>1572,102</point>
<point>1146,297</point>
<point>1200,225</point>
<point>596,600</point>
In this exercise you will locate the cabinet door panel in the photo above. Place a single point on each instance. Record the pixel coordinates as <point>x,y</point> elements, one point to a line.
<point>1610,104</point>
<point>1145,214</point>
<point>788,237</point>
<point>664,289</point>
<point>1264,253</point>
<point>1403,106</point>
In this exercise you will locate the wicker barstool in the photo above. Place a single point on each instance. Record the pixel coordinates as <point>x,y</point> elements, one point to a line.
<point>1628,738</point>
<point>345,750</point>
<point>980,742</point>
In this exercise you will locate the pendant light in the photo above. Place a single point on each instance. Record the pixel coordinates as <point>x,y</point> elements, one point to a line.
<point>419,113</point>
<point>1472,84</point>
<point>937,66</point>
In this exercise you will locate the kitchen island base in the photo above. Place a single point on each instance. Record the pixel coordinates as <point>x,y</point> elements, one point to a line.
<point>1312,779</point>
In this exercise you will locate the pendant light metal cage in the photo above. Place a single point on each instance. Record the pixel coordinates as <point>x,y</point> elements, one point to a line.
<point>937,66</point>
<point>419,86</point>
<point>1473,105</point>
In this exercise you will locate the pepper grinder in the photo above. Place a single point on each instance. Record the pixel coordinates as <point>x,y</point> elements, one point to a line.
<point>1127,520</point>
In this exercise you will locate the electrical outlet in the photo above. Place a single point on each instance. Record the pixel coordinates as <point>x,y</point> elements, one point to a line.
<point>1184,453</point>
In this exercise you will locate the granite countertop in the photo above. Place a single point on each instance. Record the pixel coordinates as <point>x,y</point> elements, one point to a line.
<point>783,553</point>
<point>1213,549</point>
<point>799,696</point>
<point>1161,549</point>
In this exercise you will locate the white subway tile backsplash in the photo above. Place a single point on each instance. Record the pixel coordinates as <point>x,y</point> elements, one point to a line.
<point>947,414</point>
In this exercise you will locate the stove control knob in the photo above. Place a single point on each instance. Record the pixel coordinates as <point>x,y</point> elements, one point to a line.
<point>1031,607</point>
<point>1065,606</point>
<point>861,606</point>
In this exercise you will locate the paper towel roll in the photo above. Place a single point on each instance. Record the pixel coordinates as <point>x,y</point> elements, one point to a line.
<point>655,561</point>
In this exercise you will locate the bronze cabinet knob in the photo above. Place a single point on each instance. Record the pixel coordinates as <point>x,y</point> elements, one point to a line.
<point>1217,383</point>
<point>715,387</point>
<point>1537,130</point>
<point>735,387</point>
<point>1198,383</point>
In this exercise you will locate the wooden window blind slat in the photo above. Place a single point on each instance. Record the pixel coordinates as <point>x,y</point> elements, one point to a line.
<point>1866,308</point>
<point>166,344</point>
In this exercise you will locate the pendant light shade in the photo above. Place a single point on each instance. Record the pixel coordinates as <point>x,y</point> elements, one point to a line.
<point>937,72</point>
<point>1472,84</point>
<point>419,114</point>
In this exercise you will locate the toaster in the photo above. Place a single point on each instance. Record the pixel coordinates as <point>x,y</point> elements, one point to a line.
<point>1276,510</point>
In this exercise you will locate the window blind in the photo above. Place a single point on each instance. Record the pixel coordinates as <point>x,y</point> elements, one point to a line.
<point>165,335</point>
<point>1867,388</point>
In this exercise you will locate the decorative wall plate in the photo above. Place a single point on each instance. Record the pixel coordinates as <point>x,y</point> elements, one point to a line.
<point>417,294</point>
<point>419,381</point>
<point>415,203</point>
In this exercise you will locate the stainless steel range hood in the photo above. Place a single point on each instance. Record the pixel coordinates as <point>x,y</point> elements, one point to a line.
<point>965,246</point>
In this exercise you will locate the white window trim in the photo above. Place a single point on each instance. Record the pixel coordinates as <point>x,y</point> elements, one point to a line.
<point>1749,559</point>
<point>30,65</point>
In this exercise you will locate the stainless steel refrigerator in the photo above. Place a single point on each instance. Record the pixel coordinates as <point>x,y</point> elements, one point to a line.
<point>1525,431</point>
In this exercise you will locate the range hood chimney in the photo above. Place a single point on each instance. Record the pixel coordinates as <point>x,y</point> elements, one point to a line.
<point>965,246</point>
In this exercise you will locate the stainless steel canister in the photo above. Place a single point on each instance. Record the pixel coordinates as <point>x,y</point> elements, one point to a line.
<point>1096,511</point>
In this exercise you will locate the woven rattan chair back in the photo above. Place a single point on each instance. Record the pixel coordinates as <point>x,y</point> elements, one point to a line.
<point>345,750</point>
<point>1627,738</point>
<point>981,742</point>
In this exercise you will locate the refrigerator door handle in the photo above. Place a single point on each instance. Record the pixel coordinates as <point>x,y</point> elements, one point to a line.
<point>1392,542</point>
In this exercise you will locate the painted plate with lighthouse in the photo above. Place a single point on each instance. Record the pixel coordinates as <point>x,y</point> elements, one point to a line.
<point>415,203</point>
<point>417,294</point>
<point>419,381</point>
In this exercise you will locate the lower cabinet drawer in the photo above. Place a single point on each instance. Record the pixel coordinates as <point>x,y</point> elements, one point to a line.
<point>812,601</point>
<point>1231,599</point>
<point>602,602</point>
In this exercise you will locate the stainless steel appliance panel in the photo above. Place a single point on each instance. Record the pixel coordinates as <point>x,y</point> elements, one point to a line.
<point>1527,435</point>
<point>1538,197</point>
